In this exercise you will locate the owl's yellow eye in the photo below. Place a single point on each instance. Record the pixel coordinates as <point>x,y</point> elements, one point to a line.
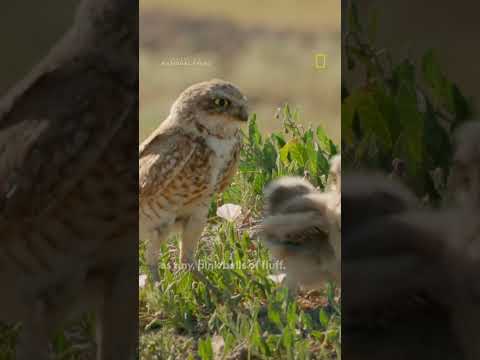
<point>221,102</point>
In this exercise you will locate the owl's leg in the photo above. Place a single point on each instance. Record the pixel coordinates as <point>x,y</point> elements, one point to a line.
<point>117,317</point>
<point>192,231</point>
<point>157,237</point>
<point>33,342</point>
<point>292,285</point>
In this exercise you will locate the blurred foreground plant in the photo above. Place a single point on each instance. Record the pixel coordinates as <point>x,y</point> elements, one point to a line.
<point>401,110</point>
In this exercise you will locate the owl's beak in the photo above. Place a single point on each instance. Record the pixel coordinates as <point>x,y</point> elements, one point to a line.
<point>242,114</point>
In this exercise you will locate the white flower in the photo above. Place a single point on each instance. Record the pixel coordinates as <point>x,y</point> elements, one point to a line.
<point>142,280</point>
<point>218,345</point>
<point>277,278</point>
<point>229,212</point>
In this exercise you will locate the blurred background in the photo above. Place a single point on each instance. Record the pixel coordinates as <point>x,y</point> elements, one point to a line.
<point>410,28</point>
<point>266,47</point>
<point>28,29</point>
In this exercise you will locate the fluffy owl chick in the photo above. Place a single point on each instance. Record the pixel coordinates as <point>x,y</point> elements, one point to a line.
<point>335,203</point>
<point>369,196</point>
<point>396,287</point>
<point>370,201</point>
<point>464,182</point>
<point>398,261</point>
<point>281,191</point>
<point>298,226</point>
<point>191,156</point>
<point>336,173</point>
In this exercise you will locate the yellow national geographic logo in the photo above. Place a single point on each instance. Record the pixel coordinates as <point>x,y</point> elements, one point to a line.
<point>320,61</point>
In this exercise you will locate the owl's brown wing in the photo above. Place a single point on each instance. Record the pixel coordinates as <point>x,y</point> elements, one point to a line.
<point>53,131</point>
<point>162,157</point>
<point>232,166</point>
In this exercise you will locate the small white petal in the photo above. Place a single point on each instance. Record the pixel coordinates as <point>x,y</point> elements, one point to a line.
<point>277,278</point>
<point>142,280</point>
<point>229,212</point>
<point>218,345</point>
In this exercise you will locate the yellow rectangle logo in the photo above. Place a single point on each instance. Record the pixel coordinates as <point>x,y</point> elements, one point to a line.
<point>320,61</point>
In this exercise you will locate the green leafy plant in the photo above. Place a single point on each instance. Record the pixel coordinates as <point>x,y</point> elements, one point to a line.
<point>295,150</point>
<point>180,318</point>
<point>401,110</point>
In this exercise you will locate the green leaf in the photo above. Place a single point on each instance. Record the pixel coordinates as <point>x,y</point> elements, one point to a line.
<point>386,106</point>
<point>258,340</point>
<point>324,318</point>
<point>442,89</point>
<point>374,121</point>
<point>290,152</point>
<point>312,159</point>
<point>322,163</point>
<point>254,136</point>
<point>410,140</point>
<point>287,339</point>
<point>364,103</point>
<point>461,106</point>
<point>269,156</point>
<point>279,139</point>
<point>431,70</point>
<point>323,140</point>
<point>292,315</point>
<point>298,153</point>
<point>205,349</point>
<point>308,136</point>
<point>274,316</point>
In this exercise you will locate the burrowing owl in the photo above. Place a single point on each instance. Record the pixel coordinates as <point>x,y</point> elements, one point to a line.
<point>302,227</point>
<point>192,155</point>
<point>68,185</point>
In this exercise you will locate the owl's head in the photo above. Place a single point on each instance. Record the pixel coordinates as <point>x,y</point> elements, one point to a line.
<point>465,176</point>
<point>281,191</point>
<point>368,196</point>
<point>214,107</point>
